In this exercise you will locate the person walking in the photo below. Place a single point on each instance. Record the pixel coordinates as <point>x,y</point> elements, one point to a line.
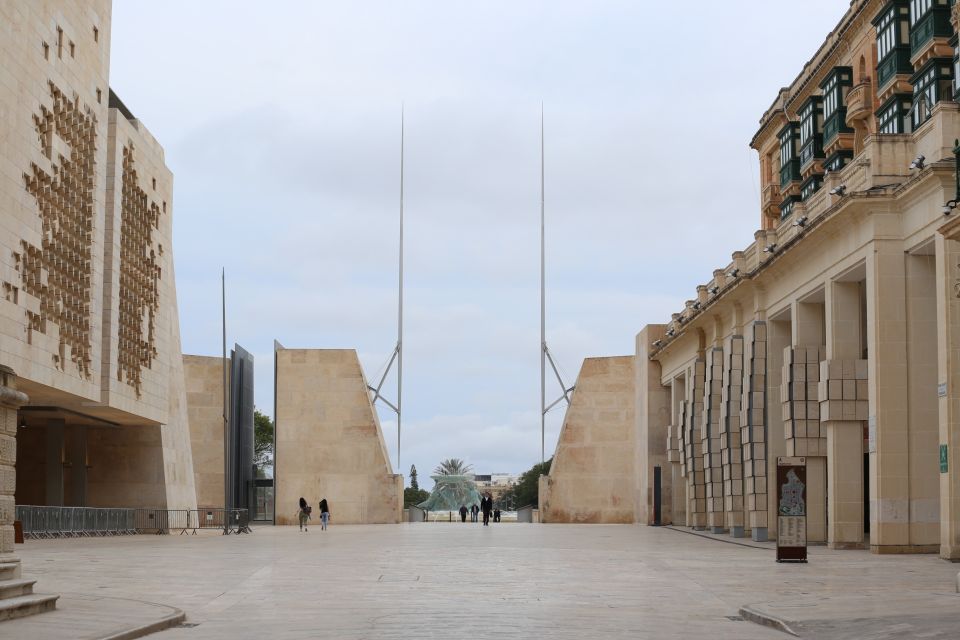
<point>496,515</point>
<point>486,505</point>
<point>474,510</point>
<point>303,514</point>
<point>324,514</point>
<point>463,513</point>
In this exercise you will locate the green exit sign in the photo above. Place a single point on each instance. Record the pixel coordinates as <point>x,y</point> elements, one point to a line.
<point>943,458</point>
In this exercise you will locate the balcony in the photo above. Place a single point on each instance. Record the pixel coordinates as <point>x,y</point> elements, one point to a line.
<point>770,201</point>
<point>859,103</point>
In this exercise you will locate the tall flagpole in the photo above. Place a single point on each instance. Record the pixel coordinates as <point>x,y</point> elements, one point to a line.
<point>400,300</point>
<point>543,307</point>
<point>226,423</point>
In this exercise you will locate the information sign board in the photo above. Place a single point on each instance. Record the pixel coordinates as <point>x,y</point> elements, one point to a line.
<point>791,509</point>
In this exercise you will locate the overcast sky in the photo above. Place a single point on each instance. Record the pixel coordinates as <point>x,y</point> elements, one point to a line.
<point>281,124</point>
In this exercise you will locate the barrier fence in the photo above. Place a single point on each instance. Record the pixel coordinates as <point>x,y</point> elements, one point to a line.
<point>68,522</point>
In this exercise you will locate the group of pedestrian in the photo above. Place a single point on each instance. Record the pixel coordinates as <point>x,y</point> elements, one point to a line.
<point>485,507</point>
<point>305,511</point>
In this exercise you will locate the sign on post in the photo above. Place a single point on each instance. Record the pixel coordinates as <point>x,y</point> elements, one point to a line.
<point>791,509</point>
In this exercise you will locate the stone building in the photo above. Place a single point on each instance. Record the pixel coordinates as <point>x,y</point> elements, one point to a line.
<point>834,334</point>
<point>93,397</point>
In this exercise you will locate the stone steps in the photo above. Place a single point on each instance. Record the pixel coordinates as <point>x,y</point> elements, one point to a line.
<point>9,570</point>
<point>15,588</point>
<point>26,605</point>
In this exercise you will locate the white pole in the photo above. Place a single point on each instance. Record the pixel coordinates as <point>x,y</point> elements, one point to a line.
<point>400,298</point>
<point>543,306</point>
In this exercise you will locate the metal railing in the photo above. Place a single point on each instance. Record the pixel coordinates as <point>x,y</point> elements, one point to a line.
<point>40,522</point>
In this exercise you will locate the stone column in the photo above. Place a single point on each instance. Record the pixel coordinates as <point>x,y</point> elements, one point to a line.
<point>77,457</point>
<point>923,431</point>
<point>711,421</point>
<point>888,414</point>
<point>753,429</point>
<point>55,460</point>
<point>10,401</point>
<point>843,398</point>
<point>693,447</point>
<point>948,368</point>
<point>652,416</point>
<point>675,453</point>
<point>806,438</point>
<point>731,451</point>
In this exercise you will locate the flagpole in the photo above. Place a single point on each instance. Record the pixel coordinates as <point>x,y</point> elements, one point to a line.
<point>543,305</point>
<point>400,300</point>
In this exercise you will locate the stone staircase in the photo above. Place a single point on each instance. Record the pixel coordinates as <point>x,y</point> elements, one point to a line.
<point>17,598</point>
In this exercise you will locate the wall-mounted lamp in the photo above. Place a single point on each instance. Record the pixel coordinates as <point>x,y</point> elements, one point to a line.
<point>801,221</point>
<point>949,207</point>
<point>918,163</point>
<point>733,273</point>
<point>713,290</point>
<point>770,248</point>
<point>658,343</point>
<point>839,190</point>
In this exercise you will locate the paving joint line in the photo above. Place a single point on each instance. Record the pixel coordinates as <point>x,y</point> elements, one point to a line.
<point>709,537</point>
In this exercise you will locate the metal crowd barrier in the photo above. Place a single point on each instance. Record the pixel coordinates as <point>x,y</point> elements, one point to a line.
<point>69,522</point>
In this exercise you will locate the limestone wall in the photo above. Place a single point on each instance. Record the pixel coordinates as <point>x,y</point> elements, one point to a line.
<point>204,378</point>
<point>592,476</point>
<point>329,442</point>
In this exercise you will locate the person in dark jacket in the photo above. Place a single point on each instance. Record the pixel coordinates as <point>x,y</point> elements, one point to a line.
<point>324,514</point>
<point>304,514</point>
<point>486,505</point>
<point>463,513</point>
<point>496,515</point>
<point>474,510</point>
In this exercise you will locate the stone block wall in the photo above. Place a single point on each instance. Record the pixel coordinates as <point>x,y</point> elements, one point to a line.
<point>591,478</point>
<point>329,441</point>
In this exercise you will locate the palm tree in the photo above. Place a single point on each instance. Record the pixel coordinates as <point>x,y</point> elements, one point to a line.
<point>452,467</point>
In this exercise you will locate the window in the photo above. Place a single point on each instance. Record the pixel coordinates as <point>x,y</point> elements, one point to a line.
<point>59,42</point>
<point>835,89</point>
<point>96,34</point>
<point>892,115</point>
<point>46,51</point>
<point>929,19</point>
<point>811,120</point>
<point>789,162</point>
<point>887,33</point>
<point>893,41</point>
<point>810,187</point>
<point>931,84</point>
<point>918,9</point>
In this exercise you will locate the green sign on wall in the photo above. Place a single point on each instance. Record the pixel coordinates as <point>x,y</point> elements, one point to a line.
<point>943,458</point>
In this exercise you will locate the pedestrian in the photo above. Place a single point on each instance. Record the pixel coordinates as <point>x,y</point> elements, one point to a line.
<point>303,514</point>
<point>496,515</point>
<point>463,513</point>
<point>486,504</point>
<point>474,510</point>
<point>324,514</point>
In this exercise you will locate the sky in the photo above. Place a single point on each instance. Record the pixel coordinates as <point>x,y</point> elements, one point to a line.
<point>281,124</point>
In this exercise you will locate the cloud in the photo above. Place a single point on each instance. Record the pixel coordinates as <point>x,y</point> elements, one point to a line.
<point>281,126</point>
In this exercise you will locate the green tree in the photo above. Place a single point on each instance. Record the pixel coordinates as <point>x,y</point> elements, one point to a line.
<point>412,497</point>
<point>262,441</point>
<point>413,477</point>
<point>527,490</point>
<point>452,467</point>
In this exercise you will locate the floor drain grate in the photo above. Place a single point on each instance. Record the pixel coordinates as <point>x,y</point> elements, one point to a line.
<point>188,625</point>
<point>735,618</point>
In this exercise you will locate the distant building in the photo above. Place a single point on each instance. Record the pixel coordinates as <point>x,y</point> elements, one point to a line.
<point>495,483</point>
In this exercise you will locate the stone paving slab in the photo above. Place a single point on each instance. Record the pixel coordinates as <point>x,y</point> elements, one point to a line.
<point>525,581</point>
<point>81,616</point>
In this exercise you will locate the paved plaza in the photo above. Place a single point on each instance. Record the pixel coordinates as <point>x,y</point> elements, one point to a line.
<point>513,580</point>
